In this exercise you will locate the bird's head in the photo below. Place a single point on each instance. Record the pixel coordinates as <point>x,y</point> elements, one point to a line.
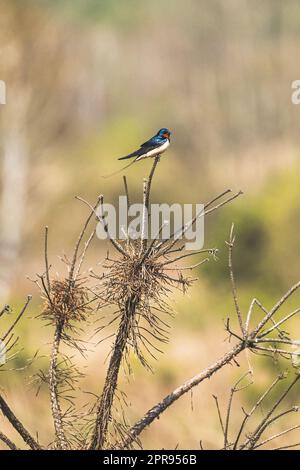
<point>164,133</point>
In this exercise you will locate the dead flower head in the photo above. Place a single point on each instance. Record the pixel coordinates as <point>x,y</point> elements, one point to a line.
<point>67,303</point>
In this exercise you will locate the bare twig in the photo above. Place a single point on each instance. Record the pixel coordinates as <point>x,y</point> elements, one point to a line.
<point>29,297</point>
<point>230,244</point>
<point>53,384</point>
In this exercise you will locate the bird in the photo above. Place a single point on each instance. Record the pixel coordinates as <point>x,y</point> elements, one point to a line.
<point>157,145</point>
<point>153,147</point>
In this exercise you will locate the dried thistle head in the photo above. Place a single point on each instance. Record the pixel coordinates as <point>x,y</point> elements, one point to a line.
<point>67,302</point>
<point>139,285</point>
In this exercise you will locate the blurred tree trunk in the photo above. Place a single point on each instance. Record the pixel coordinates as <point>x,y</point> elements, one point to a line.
<point>50,97</point>
<point>12,205</point>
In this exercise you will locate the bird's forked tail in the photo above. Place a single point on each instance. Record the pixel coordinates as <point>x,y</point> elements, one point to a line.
<point>119,171</point>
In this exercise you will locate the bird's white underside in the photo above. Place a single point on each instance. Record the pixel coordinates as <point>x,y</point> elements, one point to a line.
<point>154,152</point>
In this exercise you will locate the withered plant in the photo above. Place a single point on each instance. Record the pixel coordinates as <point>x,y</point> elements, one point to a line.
<point>132,294</point>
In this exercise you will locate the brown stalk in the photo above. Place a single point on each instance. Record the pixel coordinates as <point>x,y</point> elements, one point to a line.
<point>53,385</point>
<point>104,408</point>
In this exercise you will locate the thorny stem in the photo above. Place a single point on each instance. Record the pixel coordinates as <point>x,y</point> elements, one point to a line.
<point>126,191</point>
<point>54,393</point>
<point>254,408</point>
<point>104,407</point>
<point>268,423</point>
<point>275,436</point>
<point>145,220</point>
<point>103,221</point>
<point>81,235</point>
<point>228,414</point>
<point>219,413</point>
<point>274,309</point>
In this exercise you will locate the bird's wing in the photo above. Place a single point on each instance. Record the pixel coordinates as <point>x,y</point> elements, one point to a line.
<point>151,143</point>
<point>146,147</point>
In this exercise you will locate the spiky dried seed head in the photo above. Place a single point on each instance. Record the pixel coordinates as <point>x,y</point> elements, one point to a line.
<point>68,302</point>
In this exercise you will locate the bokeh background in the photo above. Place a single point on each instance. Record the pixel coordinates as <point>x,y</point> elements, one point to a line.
<point>89,79</point>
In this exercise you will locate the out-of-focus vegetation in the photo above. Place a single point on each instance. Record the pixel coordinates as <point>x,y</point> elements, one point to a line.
<point>87,81</point>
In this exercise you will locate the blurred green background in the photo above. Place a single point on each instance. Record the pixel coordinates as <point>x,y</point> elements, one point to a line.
<point>87,80</point>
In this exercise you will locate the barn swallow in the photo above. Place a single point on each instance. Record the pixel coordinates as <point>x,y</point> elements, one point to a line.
<point>155,146</point>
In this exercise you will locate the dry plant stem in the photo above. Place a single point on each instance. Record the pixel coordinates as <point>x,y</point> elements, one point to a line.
<point>86,246</point>
<point>252,440</point>
<point>180,233</point>
<point>144,216</point>
<point>219,413</point>
<point>286,447</point>
<point>104,408</point>
<point>232,279</point>
<point>27,438</point>
<point>81,235</point>
<point>275,436</point>
<point>147,196</point>
<point>254,408</point>
<point>158,409</point>
<point>126,191</point>
<point>274,309</point>
<point>248,341</point>
<point>102,219</point>
<point>4,310</point>
<point>234,389</point>
<point>8,442</point>
<point>53,385</point>
<point>277,324</point>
